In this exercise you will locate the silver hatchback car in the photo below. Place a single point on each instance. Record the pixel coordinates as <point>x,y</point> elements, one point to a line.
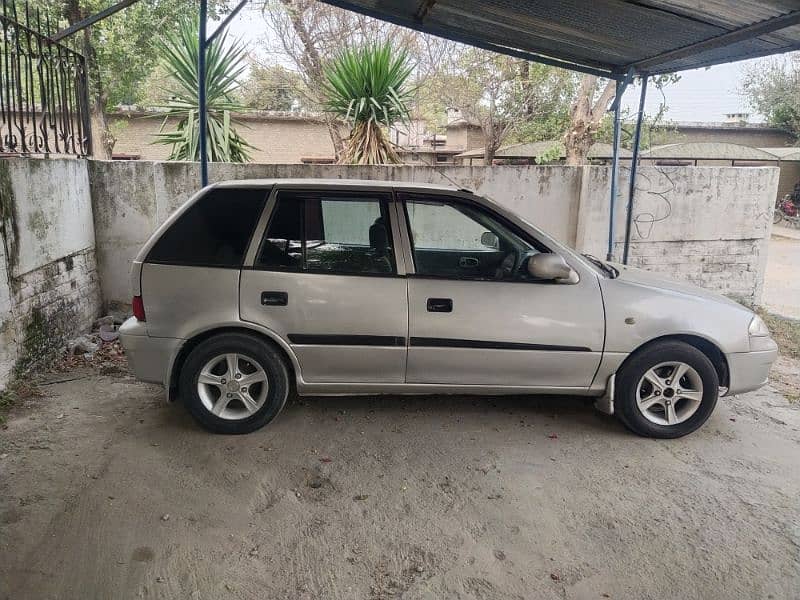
<point>366,287</point>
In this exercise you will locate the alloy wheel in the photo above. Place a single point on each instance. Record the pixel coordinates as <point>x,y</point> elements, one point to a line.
<point>669,393</point>
<point>233,386</point>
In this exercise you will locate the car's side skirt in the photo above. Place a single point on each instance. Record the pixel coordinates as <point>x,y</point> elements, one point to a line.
<point>360,389</point>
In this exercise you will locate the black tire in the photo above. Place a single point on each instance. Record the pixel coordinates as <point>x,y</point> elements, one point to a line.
<point>270,360</point>
<point>633,370</point>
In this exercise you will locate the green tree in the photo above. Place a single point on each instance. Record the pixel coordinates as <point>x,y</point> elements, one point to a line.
<point>120,50</point>
<point>368,87</point>
<point>589,117</point>
<point>225,63</point>
<point>510,98</point>
<point>310,34</point>
<point>272,87</point>
<point>773,88</point>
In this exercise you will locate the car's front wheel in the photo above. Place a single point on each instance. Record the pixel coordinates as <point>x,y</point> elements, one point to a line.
<point>666,390</point>
<point>234,383</point>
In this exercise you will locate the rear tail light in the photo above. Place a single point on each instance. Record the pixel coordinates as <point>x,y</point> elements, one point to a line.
<point>138,308</point>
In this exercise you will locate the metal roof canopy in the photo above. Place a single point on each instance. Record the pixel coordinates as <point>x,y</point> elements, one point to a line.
<point>618,39</point>
<point>609,38</point>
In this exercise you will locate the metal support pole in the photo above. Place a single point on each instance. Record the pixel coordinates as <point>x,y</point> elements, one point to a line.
<point>637,136</point>
<point>621,85</point>
<point>201,93</point>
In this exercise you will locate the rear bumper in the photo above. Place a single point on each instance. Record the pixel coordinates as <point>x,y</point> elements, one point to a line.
<point>750,370</point>
<point>148,357</point>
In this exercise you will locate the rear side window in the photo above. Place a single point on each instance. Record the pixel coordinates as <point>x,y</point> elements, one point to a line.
<point>214,231</point>
<point>329,232</point>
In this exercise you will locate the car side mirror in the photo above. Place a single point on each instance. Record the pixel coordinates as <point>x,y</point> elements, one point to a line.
<point>490,240</point>
<point>552,267</point>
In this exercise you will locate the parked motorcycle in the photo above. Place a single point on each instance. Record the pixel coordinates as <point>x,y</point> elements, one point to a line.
<point>786,209</point>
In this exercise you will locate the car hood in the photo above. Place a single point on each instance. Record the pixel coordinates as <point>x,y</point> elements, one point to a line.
<point>654,281</point>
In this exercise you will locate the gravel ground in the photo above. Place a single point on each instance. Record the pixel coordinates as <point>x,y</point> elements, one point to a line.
<point>107,491</point>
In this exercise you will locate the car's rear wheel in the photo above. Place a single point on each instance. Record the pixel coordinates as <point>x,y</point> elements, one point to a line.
<point>234,383</point>
<point>666,390</point>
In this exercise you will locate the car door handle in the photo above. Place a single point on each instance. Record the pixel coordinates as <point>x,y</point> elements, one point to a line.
<point>440,305</point>
<point>468,262</point>
<point>274,298</point>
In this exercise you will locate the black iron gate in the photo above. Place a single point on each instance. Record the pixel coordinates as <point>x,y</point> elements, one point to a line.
<point>44,96</point>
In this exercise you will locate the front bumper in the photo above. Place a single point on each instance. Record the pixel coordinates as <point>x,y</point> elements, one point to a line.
<point>750,370</point>
<point>148,357</point>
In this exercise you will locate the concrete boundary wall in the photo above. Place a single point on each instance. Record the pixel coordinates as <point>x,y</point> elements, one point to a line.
<point>49,290</point>
<point>706,225</point>
<point>709,226</point>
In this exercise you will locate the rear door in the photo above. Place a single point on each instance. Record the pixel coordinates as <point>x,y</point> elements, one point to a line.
<point>325,277</point>
<point>476,317</point>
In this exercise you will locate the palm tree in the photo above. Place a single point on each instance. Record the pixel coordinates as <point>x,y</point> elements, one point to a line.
<point>367,87</point>
<point>225,64</point>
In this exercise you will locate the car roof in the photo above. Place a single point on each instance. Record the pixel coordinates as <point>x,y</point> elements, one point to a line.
<point>313,182</point>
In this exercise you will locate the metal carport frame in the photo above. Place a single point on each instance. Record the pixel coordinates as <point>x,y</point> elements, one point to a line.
<point>617,39</point>
<point>608,38</point>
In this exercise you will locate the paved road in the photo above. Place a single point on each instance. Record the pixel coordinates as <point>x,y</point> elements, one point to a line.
<point>107,491</point>
<point>782,281</point>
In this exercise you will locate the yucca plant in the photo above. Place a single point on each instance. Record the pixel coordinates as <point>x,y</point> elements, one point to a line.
<point>367,87</point>
<point>225,64</point>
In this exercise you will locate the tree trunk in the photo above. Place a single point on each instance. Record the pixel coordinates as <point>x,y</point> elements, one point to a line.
<point>336,137</point>
<point>102,139</point>
<point>490,142</point>
<point>578,141</point>
<point>579,137</point>
<point>312,62</point>
<point>585,119</point>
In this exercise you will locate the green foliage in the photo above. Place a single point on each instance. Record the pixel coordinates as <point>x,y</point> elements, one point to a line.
<point>773,88</point>
<point>224,65</point>
<point>552,154</point>
<point>513,100</point>
<point>124,45</point>
<point>272,87</point>
<point>367,87</point>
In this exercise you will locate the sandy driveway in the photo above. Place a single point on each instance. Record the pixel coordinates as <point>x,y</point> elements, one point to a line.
<point>782,279</point>
<point>107,492</point>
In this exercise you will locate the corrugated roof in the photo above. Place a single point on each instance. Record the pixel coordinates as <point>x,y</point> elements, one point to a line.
<point>605,36</point>
<point>536,149</point>
<point>787,153</point>
<point>708,151</point>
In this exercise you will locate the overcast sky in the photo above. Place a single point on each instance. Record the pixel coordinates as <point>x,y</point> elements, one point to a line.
<point>700,95</point>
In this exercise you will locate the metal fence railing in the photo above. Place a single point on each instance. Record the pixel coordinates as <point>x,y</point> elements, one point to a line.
<point>44,96</point>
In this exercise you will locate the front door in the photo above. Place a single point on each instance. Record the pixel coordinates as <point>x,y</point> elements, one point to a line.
<point>476,317</point>
<point>325,278</point>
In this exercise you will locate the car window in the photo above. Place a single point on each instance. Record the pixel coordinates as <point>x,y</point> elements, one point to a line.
<point>454,239</point>
<point>441,226</point>
<point>214,231</point>
<point>329,233</point>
